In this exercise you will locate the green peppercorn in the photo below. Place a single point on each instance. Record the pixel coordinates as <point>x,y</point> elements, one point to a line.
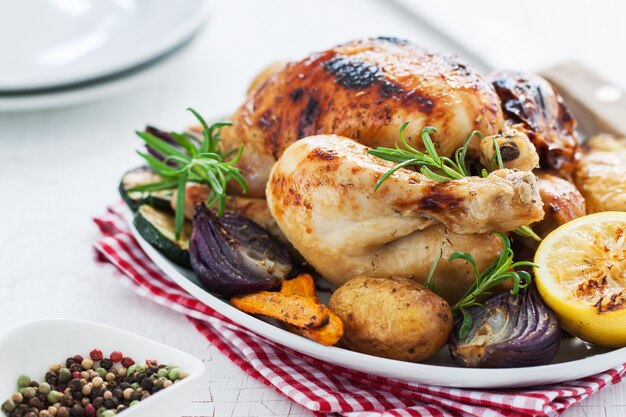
<point>108,413</point>
<point>131,370</point>
<point>8,406</point>
<point>100,411</point>
<point>134,385</point>
<point>54,396</point>
<point>163,372</point>
<point>23,381</point>
<point>44,388</point>
<point>64,375</point>
<point>133,403</point>
<point>142,367</point>
<point>29,392</point>
<point>102,372</point>
<point>174,374</point>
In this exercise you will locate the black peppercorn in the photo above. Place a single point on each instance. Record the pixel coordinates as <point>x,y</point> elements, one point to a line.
<point>51,378</point>
<point>35,402</point>
<point>147,384</point>
<point>17,413</point>
<point>136,396</point>
<point>139,376</point>
<point>77,411</point>
<point>118,393</point>
<point>75,385</point>
<point>96,392</point>
<point>111,403</point>
<point>34,384</point>
<point>124,385</point>
<point>97,402</point>
<point>69,362</point>
<point>106,363</point>
<point>151,371</point>
<point>76,367</point>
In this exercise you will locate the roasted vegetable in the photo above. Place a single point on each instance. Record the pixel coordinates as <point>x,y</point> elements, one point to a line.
<point>394,318</point>
<point>143,176</point>
<point>157,227</point>
<point>302,312</point>
<point>233,255</point>
<point>508,331</point>
<point>304,286</point>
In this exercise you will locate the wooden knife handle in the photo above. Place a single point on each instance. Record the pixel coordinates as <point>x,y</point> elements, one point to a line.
<point>598,105</point>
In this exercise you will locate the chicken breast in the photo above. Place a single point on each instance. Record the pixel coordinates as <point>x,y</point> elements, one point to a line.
<point>321,193</point>
<point>601,173</point>
<point>363,90</point>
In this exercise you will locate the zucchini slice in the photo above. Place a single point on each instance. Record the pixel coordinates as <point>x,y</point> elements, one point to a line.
<point>157,227</point>
<point>140,176</point>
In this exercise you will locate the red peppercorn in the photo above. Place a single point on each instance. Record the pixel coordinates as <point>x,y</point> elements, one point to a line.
<point>116,356</point>
<point>96,355</point>
<point>152,363</point>
<point>127,362</point>
<point>90,410</point>
<point>78,358</point>
<point>75,375</point>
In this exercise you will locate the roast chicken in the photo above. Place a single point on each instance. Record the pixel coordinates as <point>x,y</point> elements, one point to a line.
<point>601,173</point>
<point>364,90</point>
<point>307,126</point>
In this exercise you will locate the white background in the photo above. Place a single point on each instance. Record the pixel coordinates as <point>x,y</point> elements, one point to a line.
<point>59,168</point>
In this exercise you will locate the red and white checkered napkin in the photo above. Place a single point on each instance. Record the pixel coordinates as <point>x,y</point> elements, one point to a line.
<point>317,386</point>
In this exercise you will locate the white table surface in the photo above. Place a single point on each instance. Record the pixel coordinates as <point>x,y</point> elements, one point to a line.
<point>58,168</point>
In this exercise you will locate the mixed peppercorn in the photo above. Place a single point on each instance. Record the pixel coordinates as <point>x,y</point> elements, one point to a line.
<point>90,387</point>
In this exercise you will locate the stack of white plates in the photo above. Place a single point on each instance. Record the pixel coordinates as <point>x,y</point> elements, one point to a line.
<point>61,52</point>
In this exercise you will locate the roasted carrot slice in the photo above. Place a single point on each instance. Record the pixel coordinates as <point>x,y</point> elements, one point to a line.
<point>329,334</point>
<point>302,312</point>
<point>302,285</point>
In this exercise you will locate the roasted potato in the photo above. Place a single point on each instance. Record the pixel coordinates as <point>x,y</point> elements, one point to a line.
<point>394,318</point>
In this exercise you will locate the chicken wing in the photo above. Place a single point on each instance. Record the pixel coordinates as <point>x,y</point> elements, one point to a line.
<point>601,173</point>
<point>531,105</point>
<point>364,90</point>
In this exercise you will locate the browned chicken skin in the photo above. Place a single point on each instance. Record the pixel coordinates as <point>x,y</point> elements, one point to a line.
<point>532,105</point>
<point>363,90</point>
<point>601,173</point>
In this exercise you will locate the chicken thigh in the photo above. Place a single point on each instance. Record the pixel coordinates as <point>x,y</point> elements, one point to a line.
<point>321,193</point>
<point>363,90</point>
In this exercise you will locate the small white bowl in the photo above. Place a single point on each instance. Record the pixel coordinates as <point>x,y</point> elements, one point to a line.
<point>32,347</point>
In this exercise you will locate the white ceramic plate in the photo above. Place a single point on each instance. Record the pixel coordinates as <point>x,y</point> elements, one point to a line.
<point>101,89</point>
<point>53,43</point>
<point>22,352</point>
<point>574,360</point>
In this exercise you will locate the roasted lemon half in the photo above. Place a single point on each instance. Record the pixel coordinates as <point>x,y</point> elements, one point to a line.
<point>582,277</point>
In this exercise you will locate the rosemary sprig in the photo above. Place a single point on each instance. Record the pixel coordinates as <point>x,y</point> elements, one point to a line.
<point>439,168</point>
<point>499,271</point>
<point>433,166</point>
<point>193,160</point>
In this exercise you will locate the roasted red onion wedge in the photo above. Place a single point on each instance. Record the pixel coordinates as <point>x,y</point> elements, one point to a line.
<point>232,255</point>
<point>508,332</point>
